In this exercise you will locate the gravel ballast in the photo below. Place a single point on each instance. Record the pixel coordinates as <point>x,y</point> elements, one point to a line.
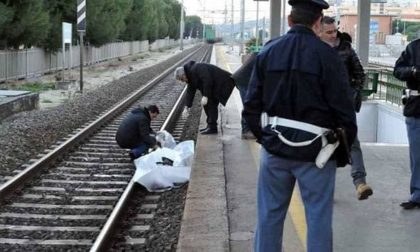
<point>26,134</point>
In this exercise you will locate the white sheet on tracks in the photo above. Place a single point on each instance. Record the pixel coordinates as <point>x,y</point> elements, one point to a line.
<point>165,167</point>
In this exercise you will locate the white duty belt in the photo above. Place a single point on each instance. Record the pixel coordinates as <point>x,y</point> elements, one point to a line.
<point>279,121</point>
<point>411,92</point>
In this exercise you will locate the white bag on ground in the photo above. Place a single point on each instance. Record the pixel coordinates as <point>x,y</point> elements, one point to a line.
<point>154,173</point>
<point>165,139</point>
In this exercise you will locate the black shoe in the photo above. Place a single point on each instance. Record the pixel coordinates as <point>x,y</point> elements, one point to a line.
<point>209,131</point>
<point>203,129</point>
<point>410,205</point>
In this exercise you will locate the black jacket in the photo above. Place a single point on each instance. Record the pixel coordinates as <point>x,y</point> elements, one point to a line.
<point>298,77</point>
<point>403,71</point>
<point>135,130</point>
<point>351,61</point>
<point>243,74</point>
<point>212,81</point>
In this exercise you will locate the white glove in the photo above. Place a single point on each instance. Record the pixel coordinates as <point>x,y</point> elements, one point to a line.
<point>185,112</point>
<point>204,101</point>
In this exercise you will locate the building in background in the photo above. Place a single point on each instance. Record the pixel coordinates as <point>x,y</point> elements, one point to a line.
<point>380,26</point>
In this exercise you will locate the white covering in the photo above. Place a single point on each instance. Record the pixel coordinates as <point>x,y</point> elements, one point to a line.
<point>155,176</point>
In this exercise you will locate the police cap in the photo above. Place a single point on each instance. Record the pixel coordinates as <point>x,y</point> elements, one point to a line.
<point>315,4</point>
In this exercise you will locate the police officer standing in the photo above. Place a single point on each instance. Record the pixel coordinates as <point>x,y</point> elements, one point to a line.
<point>407,68</point>
<point>296,99</point>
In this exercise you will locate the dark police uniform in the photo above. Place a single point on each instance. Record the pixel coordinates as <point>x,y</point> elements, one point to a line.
<point>213,83</point>
<point>407,69</point>
<point>300,78</point>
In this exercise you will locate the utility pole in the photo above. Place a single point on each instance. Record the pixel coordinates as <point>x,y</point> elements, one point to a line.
<point>204,16</point>
<point>283,20</point>
<point>263,33</point>
<point>275,19</point>
<point>224,27</point>
<point>337,15</point>
<point>257,34</point>
<point>232,27</point>
<point>241,48</point>
<point>181,28</point>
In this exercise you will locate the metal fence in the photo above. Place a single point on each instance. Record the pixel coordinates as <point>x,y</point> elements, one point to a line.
<point>22,64</point>
<point>388,87</point>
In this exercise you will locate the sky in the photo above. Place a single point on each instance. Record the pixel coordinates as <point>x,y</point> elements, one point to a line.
<point>215,10</point>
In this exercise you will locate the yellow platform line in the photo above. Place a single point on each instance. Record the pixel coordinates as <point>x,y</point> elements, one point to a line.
<point>222,57</point>
<point>297,214</point>
<point>296,209</point>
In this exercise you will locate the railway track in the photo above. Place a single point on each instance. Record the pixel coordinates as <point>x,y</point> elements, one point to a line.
<point>85,187</point>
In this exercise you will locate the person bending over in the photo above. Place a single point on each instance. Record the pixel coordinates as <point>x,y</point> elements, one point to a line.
<point>215,85</point>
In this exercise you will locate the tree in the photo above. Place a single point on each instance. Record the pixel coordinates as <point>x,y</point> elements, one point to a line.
<point>136,28</point>
<point>60,11</point>
<point>163,14</point>
<point>174,18</point>
<point>408,28</point>
<point>105,20</point>
<point>6,16</point>
<point>29,24</point>
<point>152,19</point>
<point>193,27</point>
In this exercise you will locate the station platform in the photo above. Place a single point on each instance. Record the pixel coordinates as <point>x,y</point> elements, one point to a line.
<point>220,210</point>
<point>14,101</point>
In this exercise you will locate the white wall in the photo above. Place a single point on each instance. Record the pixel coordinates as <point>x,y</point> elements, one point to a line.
<point>381,122</point>
<point>367,122</point>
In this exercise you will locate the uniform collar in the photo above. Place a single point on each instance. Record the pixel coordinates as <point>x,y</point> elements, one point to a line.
<point>298,28</point>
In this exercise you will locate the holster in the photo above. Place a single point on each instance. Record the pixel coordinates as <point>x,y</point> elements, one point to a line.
<point>327,151</point>
<point>342,153</point>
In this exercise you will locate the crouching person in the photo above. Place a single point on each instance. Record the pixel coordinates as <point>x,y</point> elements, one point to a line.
<point>135,132</point>
<point>215,85</point>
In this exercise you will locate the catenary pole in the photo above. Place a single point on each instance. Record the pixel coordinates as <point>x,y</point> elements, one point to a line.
<point>241,48</point>
<point>181,28</point>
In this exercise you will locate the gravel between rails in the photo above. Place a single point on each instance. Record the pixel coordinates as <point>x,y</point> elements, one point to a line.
<point>26,134</point>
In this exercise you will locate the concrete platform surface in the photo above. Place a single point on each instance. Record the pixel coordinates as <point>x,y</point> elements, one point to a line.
<point>8,93</point>
<point>14,101</point>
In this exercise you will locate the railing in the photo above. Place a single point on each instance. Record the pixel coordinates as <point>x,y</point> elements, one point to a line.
<point>22,64</point>
<point>382,85</point>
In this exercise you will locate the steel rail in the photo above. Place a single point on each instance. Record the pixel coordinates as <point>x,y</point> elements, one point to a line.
<point>105,236</point>
<point>19,180</point>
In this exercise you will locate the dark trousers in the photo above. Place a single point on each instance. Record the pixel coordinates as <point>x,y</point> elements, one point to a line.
<point>139,150</point>
<point>242,93</point>
<point>211,112</point>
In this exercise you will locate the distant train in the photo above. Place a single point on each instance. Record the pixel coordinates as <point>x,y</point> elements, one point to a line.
<point>211,35</point>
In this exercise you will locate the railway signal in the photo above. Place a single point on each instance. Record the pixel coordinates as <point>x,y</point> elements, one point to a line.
<point>81,28</point>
